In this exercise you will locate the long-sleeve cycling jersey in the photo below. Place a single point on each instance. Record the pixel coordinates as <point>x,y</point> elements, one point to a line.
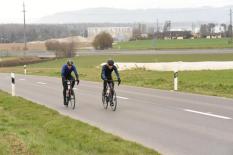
<point>106,73</point>
<point>66,72</point>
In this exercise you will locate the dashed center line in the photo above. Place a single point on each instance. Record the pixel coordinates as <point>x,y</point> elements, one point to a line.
<point>208,114</point>
<point>41,83</point>
<point>124,98</point>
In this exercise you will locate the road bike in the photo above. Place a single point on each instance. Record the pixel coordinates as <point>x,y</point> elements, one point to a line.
<point>70,95</point>
<point>110,98</point>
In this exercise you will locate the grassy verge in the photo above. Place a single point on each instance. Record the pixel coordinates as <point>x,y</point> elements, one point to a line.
<point>16,61</point>
<point>217,83</point>
<point>28,128</point>
<point>175,44</point>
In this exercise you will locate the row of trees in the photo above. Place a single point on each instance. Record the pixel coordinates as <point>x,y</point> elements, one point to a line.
<point>209,30</point>
<point>11,33</point>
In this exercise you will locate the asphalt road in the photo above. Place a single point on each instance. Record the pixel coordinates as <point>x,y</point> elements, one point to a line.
<point>47,54</point>
<point>171,122</point>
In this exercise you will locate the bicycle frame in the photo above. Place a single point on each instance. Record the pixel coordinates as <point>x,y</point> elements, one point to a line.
<point>109,86</point>
<point>109,91</point>
<point>69,88</point>
<point>70,95</point>
<point>110,96</point>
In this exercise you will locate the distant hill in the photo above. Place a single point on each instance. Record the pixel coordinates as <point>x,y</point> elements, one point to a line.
<point>112,15</point>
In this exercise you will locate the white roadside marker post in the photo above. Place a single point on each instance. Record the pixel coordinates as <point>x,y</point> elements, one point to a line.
<point>25,69</point>
<point>175,80</point>
<point>13,84</point>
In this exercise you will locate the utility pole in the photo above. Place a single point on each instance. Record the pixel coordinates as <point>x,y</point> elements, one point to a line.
<point>231,35</point>
<point>25,42</point>
<point>155,33</point>
<point>193,27</point>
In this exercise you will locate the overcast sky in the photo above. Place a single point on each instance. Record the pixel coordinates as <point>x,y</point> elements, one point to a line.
<point>11,10</point>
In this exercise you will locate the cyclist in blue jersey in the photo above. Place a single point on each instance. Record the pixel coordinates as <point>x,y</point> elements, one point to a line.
<point>66,71</point>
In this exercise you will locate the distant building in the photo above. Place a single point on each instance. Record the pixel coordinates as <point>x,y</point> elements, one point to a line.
<point>142,28</point>
<point>174,35</point>
<point>118,33</point>
<point>219,29</point>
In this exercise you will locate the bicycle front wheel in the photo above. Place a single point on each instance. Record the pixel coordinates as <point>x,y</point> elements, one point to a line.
<point>72,100</point>
<point>105,103</point>
<point>114,102</point>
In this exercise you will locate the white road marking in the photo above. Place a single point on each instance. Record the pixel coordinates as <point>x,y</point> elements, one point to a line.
<point>74,88</point>
<point>41,83</point>
<point>124,98</point>
<point>21,79</point>
<point>207,114</point>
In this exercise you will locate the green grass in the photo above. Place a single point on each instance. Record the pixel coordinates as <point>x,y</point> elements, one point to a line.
<point>217,83</point>
<point>28,128</point>
<point>175,44</point>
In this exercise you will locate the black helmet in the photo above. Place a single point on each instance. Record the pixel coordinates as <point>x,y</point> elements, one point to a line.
<point>110,62</point>
<point>69,62</point>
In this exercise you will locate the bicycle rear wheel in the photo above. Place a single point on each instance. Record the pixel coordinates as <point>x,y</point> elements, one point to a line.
<point>114,102</point>
<point>72,100</point>
<point>104,101</point>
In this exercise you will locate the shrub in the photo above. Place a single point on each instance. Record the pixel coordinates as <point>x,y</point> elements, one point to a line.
<point>62,49</point>
<point>103,41</point>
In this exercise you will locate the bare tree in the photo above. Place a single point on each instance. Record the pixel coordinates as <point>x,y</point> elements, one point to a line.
<point>211,27</point>
<point>224,29</point>
<point>61,49</point>
<point>103,41</point>
<point>204,31</point>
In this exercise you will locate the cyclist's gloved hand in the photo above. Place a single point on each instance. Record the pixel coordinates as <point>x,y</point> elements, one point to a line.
<point>77,82</point>
<point>119,81</point>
